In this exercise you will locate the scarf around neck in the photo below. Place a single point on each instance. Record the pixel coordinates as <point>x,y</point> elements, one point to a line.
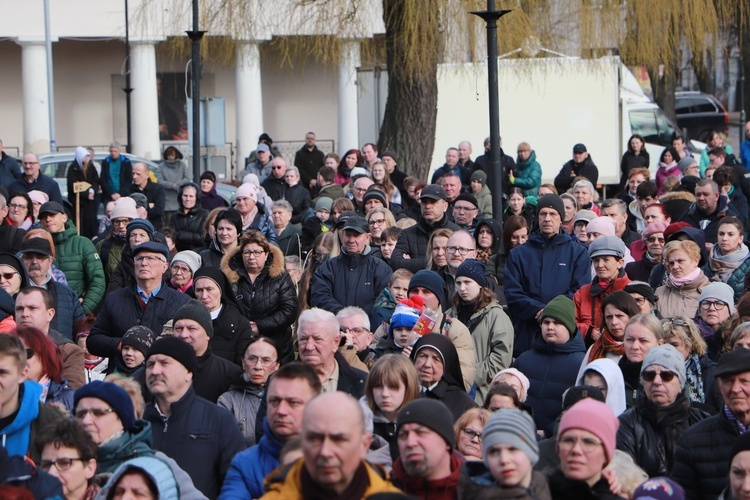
<point>678,282</point>
<point>724,265</point>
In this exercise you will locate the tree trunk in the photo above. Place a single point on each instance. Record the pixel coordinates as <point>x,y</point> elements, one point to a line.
<point>411,108</point>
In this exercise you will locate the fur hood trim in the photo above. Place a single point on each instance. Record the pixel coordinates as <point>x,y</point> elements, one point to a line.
<point>677,195</point>
<point>232,265</point>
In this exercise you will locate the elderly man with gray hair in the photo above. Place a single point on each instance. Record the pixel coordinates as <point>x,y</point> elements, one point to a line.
<point>288,234</point>
<point>296,194</point>
<point>354,325</point>
<point>117,173</point>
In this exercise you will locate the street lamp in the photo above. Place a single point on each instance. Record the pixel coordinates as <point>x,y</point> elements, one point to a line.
<point>490,16</point>
<point>195,68</point>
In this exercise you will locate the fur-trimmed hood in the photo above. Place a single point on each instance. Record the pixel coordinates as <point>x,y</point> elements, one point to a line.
<point>234,268</point>
<point>677,195</point>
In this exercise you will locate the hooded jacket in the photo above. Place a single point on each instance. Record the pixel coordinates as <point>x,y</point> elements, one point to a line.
<point>413,241</point>
<point>349,280</point>
<point>450,389</point>
<point>537,272</point>
<point>492,333</point>
<point>135,442</point>
<point>263,223</point>
<point>245,476</point>
<point>16,471</point>
<point>270,301</point>
<point>497,233</point>
<point>612,375</point>
<point>75,174</point>
<point>172,174</point>
<point>588,300</point>
<point>189,226</point>
<point>76,256</point>
<point>709,223</point>
<point>551,369</point>
<point>529,176</point>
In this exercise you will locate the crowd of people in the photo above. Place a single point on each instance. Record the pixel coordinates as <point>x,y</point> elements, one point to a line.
<point>341,330</point>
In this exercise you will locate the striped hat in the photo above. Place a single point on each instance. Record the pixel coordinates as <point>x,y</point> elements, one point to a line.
<point>513,427</point>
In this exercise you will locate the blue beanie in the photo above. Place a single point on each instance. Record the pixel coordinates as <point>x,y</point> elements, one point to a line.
<point>405,315</point>
<point>112,394</point>
<point>472,269</point>
<point>431,281</point>
<point>140,224</point>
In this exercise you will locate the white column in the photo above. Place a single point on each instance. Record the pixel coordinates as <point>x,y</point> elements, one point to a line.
<point>347,96</point>
<point>249,99</point>
<point>144,111</point>
<point>36,129</point>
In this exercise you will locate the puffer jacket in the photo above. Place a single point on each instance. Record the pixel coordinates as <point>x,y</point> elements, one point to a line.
<point>122,310</point>
<point>197,428</point>
<point>492,333</point>
<point>413,241</point>
<point>215,376</point>
<point>736,279</point>
<point>189,226</point>
<point>484,200</point>
<point>286,483</point>
<point>476,482</point>
<point>211,256</point>
<point>529,176</point>
<point>263,223</point>
<point>551,369</point>
<point>680,301</point>
<point>244,478</point>
<point>537,272</point>
<point>270,301</point>
<point>60,393</point>
<point>171,175</point>
<point>76,257</point>
<point>588,300</point>
<point>638,437</point>
<point>349,280</point>
<point>232,334</point>
<point>243,400</point>
<point>702,455</point>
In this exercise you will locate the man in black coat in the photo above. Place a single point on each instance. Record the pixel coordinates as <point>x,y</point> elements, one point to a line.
<point>411,249</point>
<point>154,194</point>
<point>702,455</point>
<point>296,194</point>
<point>308,159</point>
<point>580,165</point>
<point>192,323</point>
<point>10,170</point>
<point>117,173</point>
<point>390,158</point>
<point>200,436</point>
<point>709,208</point>
<point>148,303</point>
<point>275,184</point>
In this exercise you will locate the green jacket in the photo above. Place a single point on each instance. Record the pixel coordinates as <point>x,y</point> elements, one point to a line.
<point>130,444</point>
<point>76,257</point>
<point>736,279</point>
<point>529,176</point>
<point>484,199</point>
<point>113,256</point>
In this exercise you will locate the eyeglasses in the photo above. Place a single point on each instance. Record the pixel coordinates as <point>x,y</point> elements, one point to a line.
<point>654,239</point>
<point>378,222</point>
<point>96,412</point>
<point>8,276</point>
<point>264,362</point>
<point>61,464</point>
<point>180,270</point>
<point>674,321</point>
<point>34,256</point>
<point>706,304</point>
<point>149,259</point>
<point>650,376</point>
<point>355,331</point>
<point>472,434</point>
<point>254,253</point>
<point>463,209</point>
<point>121,222</point>
<point>461,250</point>
<point>588,445</point>
<point>360,190</point>
<point>30,163</point>
<point>16,206</point>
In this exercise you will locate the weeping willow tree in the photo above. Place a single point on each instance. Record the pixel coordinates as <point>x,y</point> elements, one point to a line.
<point>421,34</point>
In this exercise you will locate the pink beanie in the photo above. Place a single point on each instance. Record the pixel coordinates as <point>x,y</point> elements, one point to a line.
<point>593,416</point>
<point>247,190</point>
<point>520,376</point>
<point>653,228</point>
<point>602,225</point>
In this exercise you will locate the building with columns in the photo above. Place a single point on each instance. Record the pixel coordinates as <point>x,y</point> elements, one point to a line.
<point>262,91</point>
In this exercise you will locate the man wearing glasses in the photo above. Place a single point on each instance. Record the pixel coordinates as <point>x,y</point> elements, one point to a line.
<point>110,249</point>
<point>148,302</point>
<point>32,179</point>
<point>354,325</point>
<point>275,184</point>
<point>465,211</point>
<point>460,246</point>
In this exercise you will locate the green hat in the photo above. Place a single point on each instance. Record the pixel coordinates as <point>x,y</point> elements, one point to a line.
<point>563,310</point>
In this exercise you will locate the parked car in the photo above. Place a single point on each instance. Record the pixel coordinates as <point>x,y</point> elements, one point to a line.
<point>699,114</point>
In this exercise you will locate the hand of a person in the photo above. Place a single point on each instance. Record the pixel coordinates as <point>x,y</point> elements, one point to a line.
<point>407,351</point>
<point>115,196</point>
<point>615,485</point>
<point>596,333</point>
<point>313,183</point>
<point>538,314</point>
<point>406,256</point>
<point>254,328</point>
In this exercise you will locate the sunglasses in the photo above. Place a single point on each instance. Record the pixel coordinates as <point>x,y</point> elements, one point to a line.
<point>650,376</point>
<point>7,276</point>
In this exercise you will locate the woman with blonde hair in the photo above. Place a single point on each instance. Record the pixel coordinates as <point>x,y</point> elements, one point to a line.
<point>378,219</point>
<point>680,295</point>
<point>437,256</point>
<point>391,384</point>
<point>468,429</point>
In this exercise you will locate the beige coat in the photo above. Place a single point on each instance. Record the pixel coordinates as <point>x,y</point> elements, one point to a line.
<point>461,338</point>
<point>680,301</point>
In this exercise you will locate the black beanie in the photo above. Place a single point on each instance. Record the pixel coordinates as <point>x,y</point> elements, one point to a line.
<point>433,282</point>
<point>429,413</point>
<point>175,348</point>
<point>551,201</point>
<point>196,311</point>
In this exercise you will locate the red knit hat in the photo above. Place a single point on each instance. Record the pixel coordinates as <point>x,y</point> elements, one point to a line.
<point>597,418</point>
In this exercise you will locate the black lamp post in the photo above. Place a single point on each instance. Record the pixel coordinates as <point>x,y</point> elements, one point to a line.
<point>195,68</point>
<point>127,89</point>
<point>496,174</point>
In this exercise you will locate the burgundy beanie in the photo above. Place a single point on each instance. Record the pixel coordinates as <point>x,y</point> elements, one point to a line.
<point>597,418</point>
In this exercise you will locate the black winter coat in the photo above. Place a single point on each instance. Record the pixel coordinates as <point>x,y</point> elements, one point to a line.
<point>189,227</point>
<point>154,194</point>
<point>211,256</point>
<point>122,310</point>
<point>571,170</point>
<point>11,238</point>
<point>413,241</point>
<point>639,438</point>
<point>215,376</point>
<point>702,455</point>
<point>270,301</point>
<point>563,488</point>
<point>630,161</point>
<point>232,334</point>
<point>88,214</point>
<point>200,436</point>
<point>309,162</point>
<point>299,198</point>
<point>275,188</point>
